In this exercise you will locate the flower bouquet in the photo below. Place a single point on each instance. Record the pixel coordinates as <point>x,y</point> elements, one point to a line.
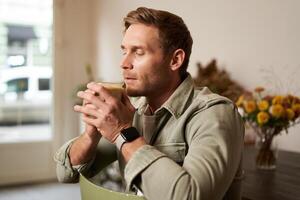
<point>268,116</point>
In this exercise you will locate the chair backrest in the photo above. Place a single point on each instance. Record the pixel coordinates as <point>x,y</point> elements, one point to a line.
<point>91,191</point>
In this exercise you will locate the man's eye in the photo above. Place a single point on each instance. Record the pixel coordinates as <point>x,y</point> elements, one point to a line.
<point>139,52</point>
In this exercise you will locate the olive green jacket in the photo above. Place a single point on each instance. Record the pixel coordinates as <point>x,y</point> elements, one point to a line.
<point>194,149</point>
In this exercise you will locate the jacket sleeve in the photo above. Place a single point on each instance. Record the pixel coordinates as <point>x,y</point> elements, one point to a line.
<point>215,140</point>
<point>67,173</point>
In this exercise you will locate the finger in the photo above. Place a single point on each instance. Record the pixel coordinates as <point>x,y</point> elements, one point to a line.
<point>89,121</point>
<point>85,102</point>
<point>90,91</point>
<point>87,111</point>
<point>91,106</point>
<point>92,82</point>
<point>94,93</point>
<point>102,91</point>
<point>90,98</point>
<point>100,113</point>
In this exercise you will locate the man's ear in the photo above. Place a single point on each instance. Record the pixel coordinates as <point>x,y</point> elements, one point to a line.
<point>177,59</point>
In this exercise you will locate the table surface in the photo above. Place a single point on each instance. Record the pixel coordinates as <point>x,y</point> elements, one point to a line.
<point>283,183</point>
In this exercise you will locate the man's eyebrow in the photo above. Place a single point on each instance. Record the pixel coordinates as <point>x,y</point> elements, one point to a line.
<point>134,47</point>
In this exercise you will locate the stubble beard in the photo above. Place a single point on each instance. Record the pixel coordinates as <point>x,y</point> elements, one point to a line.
<point>131,93</point>
<point>142,91</point>
<point>134,93</point>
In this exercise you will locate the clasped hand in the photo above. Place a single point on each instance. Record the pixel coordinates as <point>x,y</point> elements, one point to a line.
<point>104,111</point>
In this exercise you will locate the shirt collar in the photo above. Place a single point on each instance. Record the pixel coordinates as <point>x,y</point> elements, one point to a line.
<point>176,103</point>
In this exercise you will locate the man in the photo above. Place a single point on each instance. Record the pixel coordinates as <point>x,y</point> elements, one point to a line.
<point>175,142</point>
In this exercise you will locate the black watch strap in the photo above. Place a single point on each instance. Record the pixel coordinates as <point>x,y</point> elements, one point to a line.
<point>130,134</point>
<point>127,135</point>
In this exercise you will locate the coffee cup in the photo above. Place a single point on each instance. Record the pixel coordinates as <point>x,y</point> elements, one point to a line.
<point>115,89</point>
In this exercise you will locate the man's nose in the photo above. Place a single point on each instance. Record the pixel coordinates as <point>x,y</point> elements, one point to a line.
<point>126,62</point>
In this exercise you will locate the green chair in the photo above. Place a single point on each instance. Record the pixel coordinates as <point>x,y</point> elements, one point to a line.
<point>91,191</point>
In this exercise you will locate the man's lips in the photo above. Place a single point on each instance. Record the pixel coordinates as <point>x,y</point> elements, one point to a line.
<point>129,78</point>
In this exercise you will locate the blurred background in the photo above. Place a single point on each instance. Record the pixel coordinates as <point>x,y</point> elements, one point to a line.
<point>48,49</point>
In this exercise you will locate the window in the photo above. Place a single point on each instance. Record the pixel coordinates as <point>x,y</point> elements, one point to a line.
<point>44,84</point>
<point>17,85</point>
<point>25,70</point>
<point>18,42</point>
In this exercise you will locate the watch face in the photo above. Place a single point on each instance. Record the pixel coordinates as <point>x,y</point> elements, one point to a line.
<point>130,134</point>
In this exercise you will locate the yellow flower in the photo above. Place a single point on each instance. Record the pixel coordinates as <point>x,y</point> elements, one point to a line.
<point>263,105</point>
<point>240,100</point>
<point>296,99</point>
<point>290,114</point>
<point>277,110</point>
<point>262,117</point>
<point>250,106</point>
<point>277,100</point>
<point>288,100</point>
<point>296,108</point>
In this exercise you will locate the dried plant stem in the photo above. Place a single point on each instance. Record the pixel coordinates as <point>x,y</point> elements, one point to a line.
<point>265,158</point>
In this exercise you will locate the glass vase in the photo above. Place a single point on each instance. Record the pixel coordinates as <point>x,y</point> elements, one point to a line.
<point>267,151</point>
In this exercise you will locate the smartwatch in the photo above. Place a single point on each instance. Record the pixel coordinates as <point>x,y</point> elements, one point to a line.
<point>127,135</point>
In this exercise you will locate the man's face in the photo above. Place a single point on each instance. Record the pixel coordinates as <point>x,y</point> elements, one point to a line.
<point>146,69</point>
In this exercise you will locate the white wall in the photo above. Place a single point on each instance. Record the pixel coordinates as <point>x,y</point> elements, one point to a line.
<point>247,37</point>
